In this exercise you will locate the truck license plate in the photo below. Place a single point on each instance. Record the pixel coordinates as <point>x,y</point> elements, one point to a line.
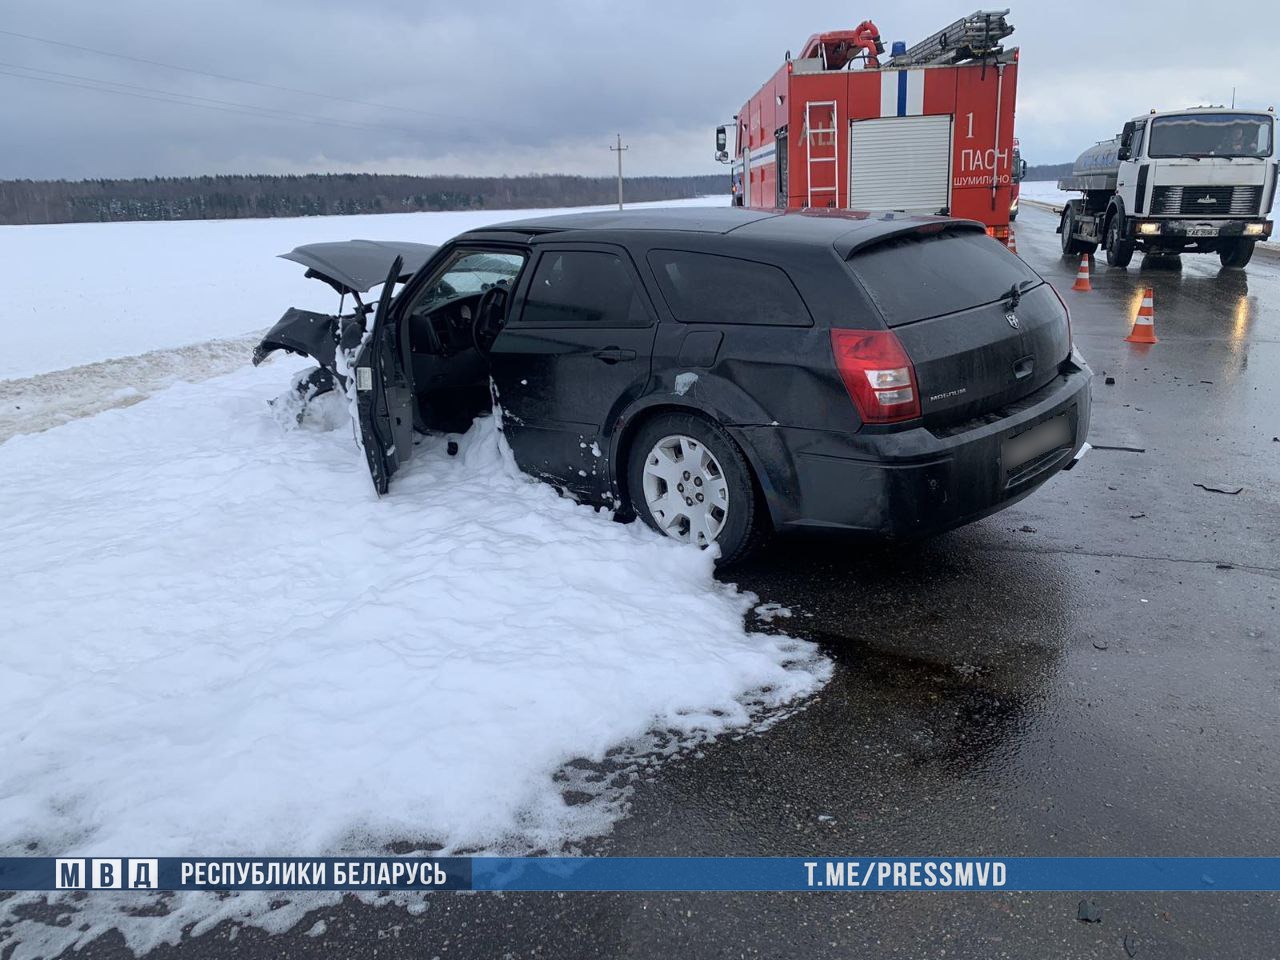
<point>1039,439</point>
<point>1202,231</point>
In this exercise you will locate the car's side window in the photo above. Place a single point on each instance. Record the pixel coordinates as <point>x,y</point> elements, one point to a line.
<point>708,288</point>
<point>583,288</point>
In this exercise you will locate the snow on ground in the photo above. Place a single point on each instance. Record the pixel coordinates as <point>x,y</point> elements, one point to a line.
<point>76,293</point>
<point>217,640</point>
<point>1046,191</point>
<point>32,404</point>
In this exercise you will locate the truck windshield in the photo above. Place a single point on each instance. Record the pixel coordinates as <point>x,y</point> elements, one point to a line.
<point>1211,135</point>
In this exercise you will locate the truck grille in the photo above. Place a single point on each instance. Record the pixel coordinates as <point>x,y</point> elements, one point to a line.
<point>1206,201</point>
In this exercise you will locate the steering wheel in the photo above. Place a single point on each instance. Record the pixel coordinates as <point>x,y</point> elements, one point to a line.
<point>490,312</point>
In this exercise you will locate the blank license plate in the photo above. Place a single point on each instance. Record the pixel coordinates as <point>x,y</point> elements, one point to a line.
<point>1039,439</point>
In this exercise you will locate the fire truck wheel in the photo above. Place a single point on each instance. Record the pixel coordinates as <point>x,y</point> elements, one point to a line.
<point>1119,250</point>
<point>1236,253</point>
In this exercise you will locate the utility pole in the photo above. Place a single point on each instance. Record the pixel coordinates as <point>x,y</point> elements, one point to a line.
<point>618,150</point>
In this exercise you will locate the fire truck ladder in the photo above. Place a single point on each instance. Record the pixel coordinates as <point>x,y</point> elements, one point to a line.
<point>823,138</point>
<point>969,38</point>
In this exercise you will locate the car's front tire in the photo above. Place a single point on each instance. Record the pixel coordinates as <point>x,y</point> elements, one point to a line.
<point>688,480</point>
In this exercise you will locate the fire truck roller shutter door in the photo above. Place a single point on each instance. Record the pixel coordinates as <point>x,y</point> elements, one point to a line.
<point>900,163</point>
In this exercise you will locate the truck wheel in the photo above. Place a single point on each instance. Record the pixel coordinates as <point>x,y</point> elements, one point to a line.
<point>1236,253</point>
<point>1071,246</point>
<point>688,480</point>
<point>1119,250</point>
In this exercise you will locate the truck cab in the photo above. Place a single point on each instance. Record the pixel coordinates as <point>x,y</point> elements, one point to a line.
<point>1200,180</point>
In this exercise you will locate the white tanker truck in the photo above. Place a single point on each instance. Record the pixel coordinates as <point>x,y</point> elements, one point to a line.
<point>1199,180</point>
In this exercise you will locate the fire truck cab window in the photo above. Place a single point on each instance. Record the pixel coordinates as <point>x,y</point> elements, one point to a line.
<point>705,288</point>
<point>583,288</point>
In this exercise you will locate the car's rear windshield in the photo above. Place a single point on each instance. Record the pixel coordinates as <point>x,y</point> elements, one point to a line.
<point>917,276</point>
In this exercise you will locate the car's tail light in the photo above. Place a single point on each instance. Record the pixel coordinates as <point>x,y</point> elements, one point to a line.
<point>878,375</point>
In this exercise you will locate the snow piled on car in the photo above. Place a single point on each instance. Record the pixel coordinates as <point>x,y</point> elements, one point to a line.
<point>218,641</point>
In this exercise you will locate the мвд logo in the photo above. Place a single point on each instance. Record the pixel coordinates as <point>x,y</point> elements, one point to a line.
<point>105,873</point>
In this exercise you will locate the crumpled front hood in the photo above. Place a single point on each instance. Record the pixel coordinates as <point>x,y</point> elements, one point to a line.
<point>353,266</point>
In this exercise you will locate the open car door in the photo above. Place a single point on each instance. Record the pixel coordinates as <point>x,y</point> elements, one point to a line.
<point>383,392</point>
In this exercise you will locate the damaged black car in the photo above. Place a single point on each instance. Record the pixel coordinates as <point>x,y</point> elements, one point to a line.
<point>722,374</point>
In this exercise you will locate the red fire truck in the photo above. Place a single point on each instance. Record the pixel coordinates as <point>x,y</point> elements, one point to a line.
<point>929,130</point>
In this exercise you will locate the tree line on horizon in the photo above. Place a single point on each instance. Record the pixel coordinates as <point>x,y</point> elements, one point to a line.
<point>232,196</point>
<point>1048,171</point>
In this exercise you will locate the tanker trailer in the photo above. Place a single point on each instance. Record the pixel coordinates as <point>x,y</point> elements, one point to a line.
<point>1197,181</point>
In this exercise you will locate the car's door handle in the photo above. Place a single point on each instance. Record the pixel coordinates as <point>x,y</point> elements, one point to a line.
<point>614,354</point>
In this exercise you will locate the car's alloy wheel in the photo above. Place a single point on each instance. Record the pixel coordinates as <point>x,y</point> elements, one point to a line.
<point>689,480</point>
<point>685,490</point>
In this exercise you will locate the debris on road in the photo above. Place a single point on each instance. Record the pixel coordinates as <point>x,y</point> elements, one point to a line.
<point>1110,381</point>
<point>1089,912</point>
<point>1136,516</point>
<point>1231,490</point>
<point>1101,645</point>
<point>1027,528</point>
<point>1130,944</point>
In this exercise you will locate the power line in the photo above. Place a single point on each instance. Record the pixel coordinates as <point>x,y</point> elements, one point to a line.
<point>223,76</point>
<point>183,98</point>
<point>162,99</point>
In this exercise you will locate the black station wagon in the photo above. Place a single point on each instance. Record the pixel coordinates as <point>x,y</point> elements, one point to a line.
<point>719,373</point>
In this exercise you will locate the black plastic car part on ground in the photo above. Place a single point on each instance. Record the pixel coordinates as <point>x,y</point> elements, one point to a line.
<point>723,373</point>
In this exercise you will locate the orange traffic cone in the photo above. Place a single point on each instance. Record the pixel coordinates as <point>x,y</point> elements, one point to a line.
<point>1144,325</point>
<point>1082,275</point>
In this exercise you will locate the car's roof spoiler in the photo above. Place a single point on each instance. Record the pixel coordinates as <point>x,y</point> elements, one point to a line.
<point>860,241</point>
<point>354,266</point>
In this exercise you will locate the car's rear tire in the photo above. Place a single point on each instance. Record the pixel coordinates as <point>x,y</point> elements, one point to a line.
<point>674,459</point>
<point>1236,253</point>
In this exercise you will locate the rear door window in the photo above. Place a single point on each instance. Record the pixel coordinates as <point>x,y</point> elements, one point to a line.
<point>915,277</point>
<point>583,288</point>
<point>707,288</point>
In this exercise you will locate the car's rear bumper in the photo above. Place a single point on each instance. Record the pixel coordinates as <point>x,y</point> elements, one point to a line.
<point>918,481</point>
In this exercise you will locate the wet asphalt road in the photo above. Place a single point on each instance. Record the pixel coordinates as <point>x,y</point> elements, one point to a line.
<point>1094,671</point>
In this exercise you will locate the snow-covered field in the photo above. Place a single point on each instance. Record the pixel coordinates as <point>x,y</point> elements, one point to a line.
<point>80,292</point>
<point>217,640</point>
<point>1046,191</point>
<point>116,311</point>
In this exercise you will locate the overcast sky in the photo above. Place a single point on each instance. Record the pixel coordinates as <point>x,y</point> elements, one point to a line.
<point>509,88</point>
